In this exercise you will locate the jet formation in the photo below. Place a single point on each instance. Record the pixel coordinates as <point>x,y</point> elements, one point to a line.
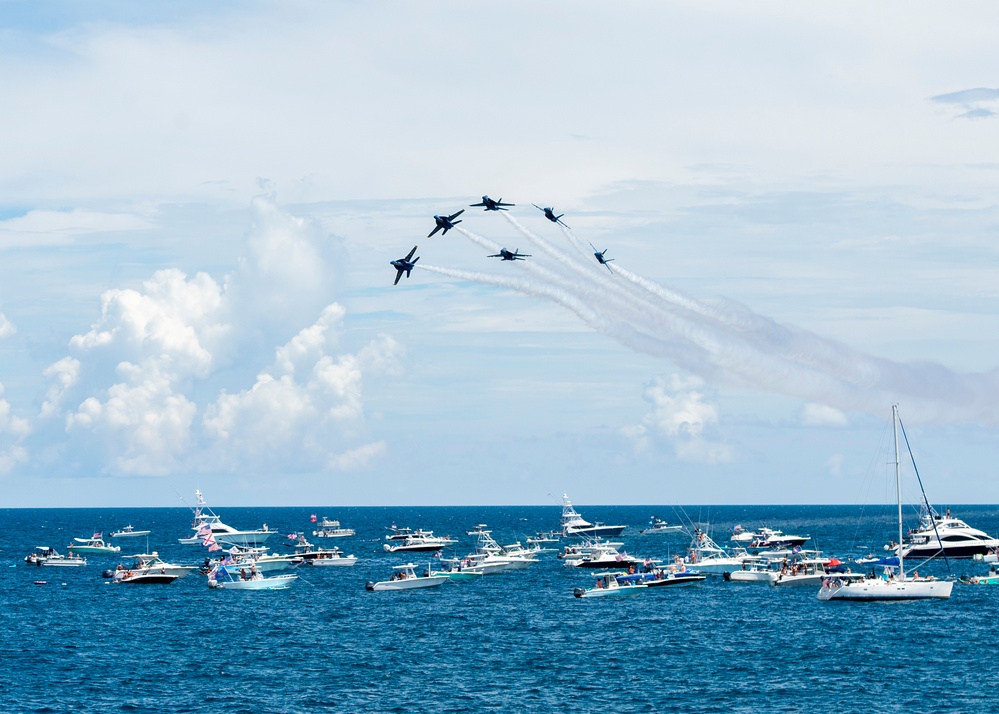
<point>447,222</point>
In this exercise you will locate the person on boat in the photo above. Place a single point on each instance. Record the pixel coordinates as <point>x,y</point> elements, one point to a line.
<point>242,574</point>
<point>600,583</point>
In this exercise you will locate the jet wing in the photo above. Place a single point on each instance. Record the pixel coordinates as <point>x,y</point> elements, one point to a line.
<point>430,234</point>
<point>399,272</point>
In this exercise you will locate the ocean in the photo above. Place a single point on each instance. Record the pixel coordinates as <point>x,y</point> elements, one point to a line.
<point>514,642</point>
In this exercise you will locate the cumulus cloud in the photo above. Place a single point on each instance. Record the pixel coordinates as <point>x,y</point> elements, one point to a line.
<point>6,327</point>
<point>247,372</point>
<point>978,103</point>
<point>681,417</point>
<point>13,431</point>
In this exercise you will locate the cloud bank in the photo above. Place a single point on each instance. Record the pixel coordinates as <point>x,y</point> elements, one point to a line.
<point>193,374</point>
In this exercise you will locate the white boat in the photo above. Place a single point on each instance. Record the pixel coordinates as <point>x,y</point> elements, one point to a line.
<point>806,569</point>
<point>490,558</point>
<point>327,528</point>
<point>153,561</point>
<point>766,539</point>
<point>145,575</point>
<point>206,522</point>
<point>256,560</point>
<point>311,555</point>
<point>44,555</point>
<point>405,578</point>
<point>129,532</point>
<point>707,556</point>
<point>458,569</point>
<point>601,554</point>
<point>541,538</point>
<point>93,545</point>
<point>944,535</point>
<point>896,585</point>
<point>659,527</point>
<point>573,524</point>
<point>608,586</point>
<point>221,579</point>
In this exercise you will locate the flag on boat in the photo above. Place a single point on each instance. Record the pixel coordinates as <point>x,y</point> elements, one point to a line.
<point>204,531</point>
<point>796,549</point>
<point>313,518</point>
<point>228,560</point>
<point>293,536</point>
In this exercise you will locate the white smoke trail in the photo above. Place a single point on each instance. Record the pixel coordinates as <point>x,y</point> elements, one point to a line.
<point>729,343</point>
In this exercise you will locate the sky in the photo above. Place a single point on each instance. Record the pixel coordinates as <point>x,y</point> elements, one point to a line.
<point>199,203</point>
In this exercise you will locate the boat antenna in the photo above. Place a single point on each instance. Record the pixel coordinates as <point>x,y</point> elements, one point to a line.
<point>929,508</point>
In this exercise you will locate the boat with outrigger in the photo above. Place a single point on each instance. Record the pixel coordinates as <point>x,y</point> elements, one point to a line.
<point>208,522</point>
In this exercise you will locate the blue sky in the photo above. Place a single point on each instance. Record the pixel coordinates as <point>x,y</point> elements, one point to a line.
<point>198,209</point>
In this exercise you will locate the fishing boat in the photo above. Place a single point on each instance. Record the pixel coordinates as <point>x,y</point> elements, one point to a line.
<point>129,532</point>
<point>490,558</point>
<point>598,554</point>
<point>608,586</point>
<point>659,527</point>
<point>222,579</point>
<point>327,528</point>
<point>405,578</point>
<point>711,558</point>
<point>153,561</point>
<point>93,545</point>
<point>895,585</point>
<point>573,524</point>
<point>207,523</point>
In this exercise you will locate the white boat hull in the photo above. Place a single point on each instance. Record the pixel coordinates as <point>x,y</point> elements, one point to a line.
<point>277,582</point>
<point>878,589</point>
<point>619,591</point>
<point>409,583</point>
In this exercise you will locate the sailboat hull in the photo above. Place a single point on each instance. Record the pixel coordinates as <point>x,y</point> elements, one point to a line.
<point>877,589</point>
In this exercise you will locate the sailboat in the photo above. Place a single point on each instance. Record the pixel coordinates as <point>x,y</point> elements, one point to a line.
<point>897,586</point>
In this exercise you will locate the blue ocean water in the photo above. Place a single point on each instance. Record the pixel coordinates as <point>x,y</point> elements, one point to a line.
<point>511,642</point>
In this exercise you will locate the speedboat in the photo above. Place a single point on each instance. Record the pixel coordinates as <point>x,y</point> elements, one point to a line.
<point>608,586</point>
<point>93,545</point>
<point>659,527</point>
<point>222,579</point>
<point>405,578</point>
<point>574,524</point>
<point>458,570</point>
<point>142,575</point>
<point>256,560</point>
<point>44,555</point>
<point>944,535</point>
<point>153,561</point>
<point>327,528</point>
<point>490,558</point>
<point>767,539</point>
<point>312,555</point>
<point>597,554</point>
<point>991,579</point>
<point>129,532</point>
<point>207,523</point>
<point>711,558</point>
<point>807,568</point>
<point>664,577</point>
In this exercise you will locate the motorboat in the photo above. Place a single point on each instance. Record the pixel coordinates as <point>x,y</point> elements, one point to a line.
<point>457,569</point>
<point>806,568</point>
<point>222,579</point>
<point>207,523</point>
<point>991,579</point>
<point>419,544</point>
<point>895,584</point>
<point>129,532</point>
<point>944,535</point>
<point>153,561</point>
<point>573,524</point>
<point>664,577</point>
<point>93,545</point>
<point>327,528</point>
<point>256,560</point>
<point>597,554</point>
<point>405,578</point>
<point>311,555</point>
<point>704,553</point>
<point>608,586</point>
<point>490,558</point>
<point>142,576</point>
<point>542,538</point>
<point>660,527</point>
<point>44,555</point>
<point>766,539</point>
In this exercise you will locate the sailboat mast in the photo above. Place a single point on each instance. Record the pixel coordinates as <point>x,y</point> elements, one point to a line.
<point>898,487</point>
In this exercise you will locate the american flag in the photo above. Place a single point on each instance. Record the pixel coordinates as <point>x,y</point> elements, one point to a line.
<point>204,531</point>
<point>313,518</point>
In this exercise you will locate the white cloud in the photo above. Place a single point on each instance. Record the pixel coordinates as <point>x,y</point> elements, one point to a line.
<point>6,327</point>
<point>152,379</point>
<point>823,415</point>
<point>13,431</point>
<point>680,416</point>
<point>44,227</point>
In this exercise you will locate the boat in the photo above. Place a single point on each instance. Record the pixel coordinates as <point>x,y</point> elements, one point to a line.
<point>311,555</point>
<point>991,579</point>
<point>671,576</point>
<point>944,535</point>
<point>405,578</point>
<point>490,558</point>
<point>222,579</point>
<point>255,560</point>
<point>711,558</point>
<point>94,545</point>
<point>542,538</point>
<point>457,569</point>
<point>895,584</point>
<point>659,527</point>
<point>608,586</point>
<point>153,561</point>
<point>44,555</point>
<point>806,568</point>
<point>327,528</point>
<point>129,532</point>
<point>597,553</point>
<point>766,539</point>
<point>142,576</point>
<point>207,523</point>
<point>574,524</point>
<point>419,544</point>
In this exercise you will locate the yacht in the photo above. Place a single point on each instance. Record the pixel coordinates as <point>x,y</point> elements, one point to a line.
<point>574,524</point>
<point>94,545</point>
<point>597,554</point>
<point>944,535</point>
<point>766,539</point>
<point>327,528</point>
<point>222,533</point>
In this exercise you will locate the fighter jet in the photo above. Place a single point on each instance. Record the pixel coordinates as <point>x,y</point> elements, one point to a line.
<point>507,255</point>
<point>446,222</point>
<point>599,255</point>
<point>492,205</point>
<point>404,265</point>
<point>550,214</point>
